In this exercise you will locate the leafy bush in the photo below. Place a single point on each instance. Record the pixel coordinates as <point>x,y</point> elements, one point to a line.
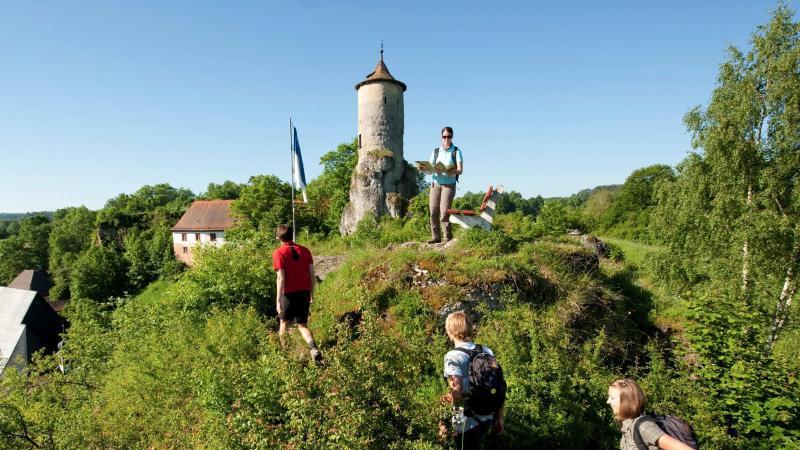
<point>494,242</point>
<point>98,274</point>
<point>239,273</point>
<point>614,252</point>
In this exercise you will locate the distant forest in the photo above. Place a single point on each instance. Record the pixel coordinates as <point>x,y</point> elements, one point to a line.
<point>8,217</point>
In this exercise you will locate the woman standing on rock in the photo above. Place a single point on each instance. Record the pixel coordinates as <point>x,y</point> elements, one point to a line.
<point>443,188</point>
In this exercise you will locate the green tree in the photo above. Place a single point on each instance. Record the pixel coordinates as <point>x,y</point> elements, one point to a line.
<point>228,190</point>
<point>729,222</point>
<point>4,230</point>
<point>264,203</point>
<point>596,206</point>
<point>509,202</point>
<point>149,204</point>
<point>73,229</point>
<point>141,269</point>
<point>329,193</point>
<point>98,274</point>
<point>555,218</point>
<point>629,213</point>
<point>26,250</point>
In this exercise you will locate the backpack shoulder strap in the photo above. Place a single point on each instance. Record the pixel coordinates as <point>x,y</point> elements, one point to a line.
<point>637,436</point>
<point>453,158</point>
<point>471,353</point>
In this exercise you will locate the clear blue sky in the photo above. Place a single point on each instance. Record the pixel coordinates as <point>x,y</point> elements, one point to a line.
<point>102,97</point>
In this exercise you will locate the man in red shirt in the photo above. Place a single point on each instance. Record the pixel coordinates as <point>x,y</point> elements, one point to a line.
<point>295,285</point>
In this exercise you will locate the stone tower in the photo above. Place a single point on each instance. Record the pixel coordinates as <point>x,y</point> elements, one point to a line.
<point>382,181</point>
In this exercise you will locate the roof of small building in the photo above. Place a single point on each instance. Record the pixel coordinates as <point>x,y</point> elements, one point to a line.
<point>32,280</point>
<point>206,215</point>
<point>14,304</point>
<point>381,73</point>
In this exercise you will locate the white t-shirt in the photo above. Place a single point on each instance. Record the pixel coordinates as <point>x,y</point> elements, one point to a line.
<point>456,363</point>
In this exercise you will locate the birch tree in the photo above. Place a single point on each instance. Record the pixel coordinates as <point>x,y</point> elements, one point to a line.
<point>730,217</point>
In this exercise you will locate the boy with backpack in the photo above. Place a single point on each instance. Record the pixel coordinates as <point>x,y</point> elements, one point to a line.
<point>477,388</point>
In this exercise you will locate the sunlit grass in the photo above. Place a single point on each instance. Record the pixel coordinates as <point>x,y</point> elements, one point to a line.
<point>635,252</point>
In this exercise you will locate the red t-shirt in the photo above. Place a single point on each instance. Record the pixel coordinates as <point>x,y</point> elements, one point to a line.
<point>296,274</point>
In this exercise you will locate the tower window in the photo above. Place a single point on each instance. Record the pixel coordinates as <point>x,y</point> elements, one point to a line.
<point>384,99</point>
<point>359,140</point>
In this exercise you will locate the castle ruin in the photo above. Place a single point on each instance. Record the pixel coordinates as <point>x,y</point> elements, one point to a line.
<point>382,182</point>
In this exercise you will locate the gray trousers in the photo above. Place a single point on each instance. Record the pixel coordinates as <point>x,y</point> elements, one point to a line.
<point>439,201</point>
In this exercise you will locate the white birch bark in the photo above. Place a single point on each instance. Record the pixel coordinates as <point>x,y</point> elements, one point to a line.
<point>784,303</point>
<point>746,249</point>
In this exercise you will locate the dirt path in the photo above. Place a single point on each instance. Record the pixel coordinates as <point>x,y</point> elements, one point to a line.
<point>325,264</point>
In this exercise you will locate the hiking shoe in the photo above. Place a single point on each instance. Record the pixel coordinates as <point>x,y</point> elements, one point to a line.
<point>434,241</point>
<point>316,355</point>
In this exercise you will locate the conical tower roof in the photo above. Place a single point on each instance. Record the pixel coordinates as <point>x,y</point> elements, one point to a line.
<point>381,73</point>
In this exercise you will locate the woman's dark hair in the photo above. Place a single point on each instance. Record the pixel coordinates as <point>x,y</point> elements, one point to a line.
<point>283,232</point>
<point>448,129</point>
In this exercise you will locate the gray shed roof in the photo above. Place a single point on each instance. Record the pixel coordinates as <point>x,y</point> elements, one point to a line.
<point>14,305</point>
<point>32,280</point>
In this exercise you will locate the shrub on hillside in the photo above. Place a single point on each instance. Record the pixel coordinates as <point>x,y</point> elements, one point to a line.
<point>238,273</point>
<point>98,274</point>
<point>494,242</point>
<point>614,252</point>
<point>518,226</point>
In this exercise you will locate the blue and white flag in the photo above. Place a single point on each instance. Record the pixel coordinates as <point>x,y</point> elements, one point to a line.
<point>298,174</point>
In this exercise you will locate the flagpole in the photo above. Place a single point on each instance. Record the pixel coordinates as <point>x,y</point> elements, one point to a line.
<point>291,158</point>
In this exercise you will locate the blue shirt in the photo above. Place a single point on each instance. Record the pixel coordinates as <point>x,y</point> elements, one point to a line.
<point>446,157</point>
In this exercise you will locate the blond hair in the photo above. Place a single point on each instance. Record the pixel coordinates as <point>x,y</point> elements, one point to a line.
<point>458,325</point>
<point>631,399</point>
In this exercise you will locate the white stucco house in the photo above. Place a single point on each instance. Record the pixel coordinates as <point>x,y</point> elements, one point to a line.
<point>204,223</point>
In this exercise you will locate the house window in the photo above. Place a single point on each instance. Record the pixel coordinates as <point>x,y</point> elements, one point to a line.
<point>197,236</point>
<point>213,236</point>
<point>183,237</point>
<point>185,249</point>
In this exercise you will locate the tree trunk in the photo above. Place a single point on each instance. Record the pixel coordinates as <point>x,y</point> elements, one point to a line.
<point>746,250</point>
<point>782,309</point>
<point>785,299</point>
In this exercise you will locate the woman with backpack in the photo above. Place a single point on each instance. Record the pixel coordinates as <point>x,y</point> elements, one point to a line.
<point>443,188</point>
<point>477,398</point>
<point>639,431</point>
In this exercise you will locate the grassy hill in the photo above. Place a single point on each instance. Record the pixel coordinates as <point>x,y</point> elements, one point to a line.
<point>196,363</point>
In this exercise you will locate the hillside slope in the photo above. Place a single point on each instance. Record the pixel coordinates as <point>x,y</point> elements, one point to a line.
<point>197,364</point>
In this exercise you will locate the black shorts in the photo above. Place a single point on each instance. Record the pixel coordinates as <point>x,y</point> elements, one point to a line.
<point>297,307</point>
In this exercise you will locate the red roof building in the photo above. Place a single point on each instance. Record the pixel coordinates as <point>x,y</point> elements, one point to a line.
<point>204,223</point>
